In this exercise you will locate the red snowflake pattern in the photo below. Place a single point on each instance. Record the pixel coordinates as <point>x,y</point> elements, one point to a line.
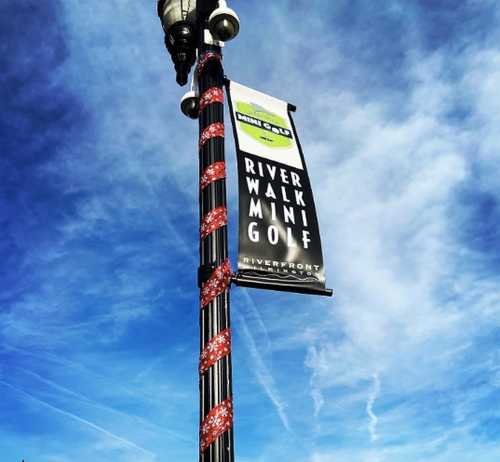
<point>217,283</point>
<point>214,172</point>
<point>216,422</point>
<point>216,348</point>
<point>212,131</point>
<point>215,219</point>
<point>202,62</point>
<point>212,95</point>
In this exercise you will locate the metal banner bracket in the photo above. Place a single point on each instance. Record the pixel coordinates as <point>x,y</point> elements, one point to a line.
<point>243,280</point>
<point>204,273</point>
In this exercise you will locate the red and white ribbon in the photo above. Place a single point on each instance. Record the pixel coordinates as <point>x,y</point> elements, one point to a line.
<point>212,131</point>
<point>218,421</point>
<point>214,172</point>
<point>216,348</point>
<point>212,95</point>
<point>215,219</point>
<point>218,282</point>
<point>202,62</point>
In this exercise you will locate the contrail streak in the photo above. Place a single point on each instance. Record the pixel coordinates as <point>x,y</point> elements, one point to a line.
<point>92,425</point>
<point>104,407</point>
<point>257,316</point>
<point>263,374</point>
<point>372,427</point>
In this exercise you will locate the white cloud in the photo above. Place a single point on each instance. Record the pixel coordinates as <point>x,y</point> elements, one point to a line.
<point>398,265</point>
<point>387,181</point>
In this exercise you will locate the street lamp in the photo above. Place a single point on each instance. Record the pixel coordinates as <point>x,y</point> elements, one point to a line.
<point>198,29</point>
<point>178,19</point>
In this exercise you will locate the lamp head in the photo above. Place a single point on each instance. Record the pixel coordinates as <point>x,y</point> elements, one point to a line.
<point>180,41</point>
<point>178,22</point>
<point>224,23</point>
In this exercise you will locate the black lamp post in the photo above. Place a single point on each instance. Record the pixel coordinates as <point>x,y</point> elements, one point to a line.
<point>189,27</point>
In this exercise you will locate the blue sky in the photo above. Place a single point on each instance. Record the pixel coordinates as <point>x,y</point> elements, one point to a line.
<point>398,112</point>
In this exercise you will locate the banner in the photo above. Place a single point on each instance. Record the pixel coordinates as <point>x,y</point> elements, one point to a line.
<point>279,241</point>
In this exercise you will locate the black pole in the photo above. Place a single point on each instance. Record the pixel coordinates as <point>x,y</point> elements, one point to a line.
<point>216,382</point>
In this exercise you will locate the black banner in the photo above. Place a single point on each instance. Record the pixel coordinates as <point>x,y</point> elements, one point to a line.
<point>279,241</point>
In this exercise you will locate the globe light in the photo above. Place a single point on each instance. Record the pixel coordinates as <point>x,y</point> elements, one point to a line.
<point>178,19</point>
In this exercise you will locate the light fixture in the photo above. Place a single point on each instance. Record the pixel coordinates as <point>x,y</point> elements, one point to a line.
<point>190,102</point>
<point>224,23</point>
<point>178,19</point>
